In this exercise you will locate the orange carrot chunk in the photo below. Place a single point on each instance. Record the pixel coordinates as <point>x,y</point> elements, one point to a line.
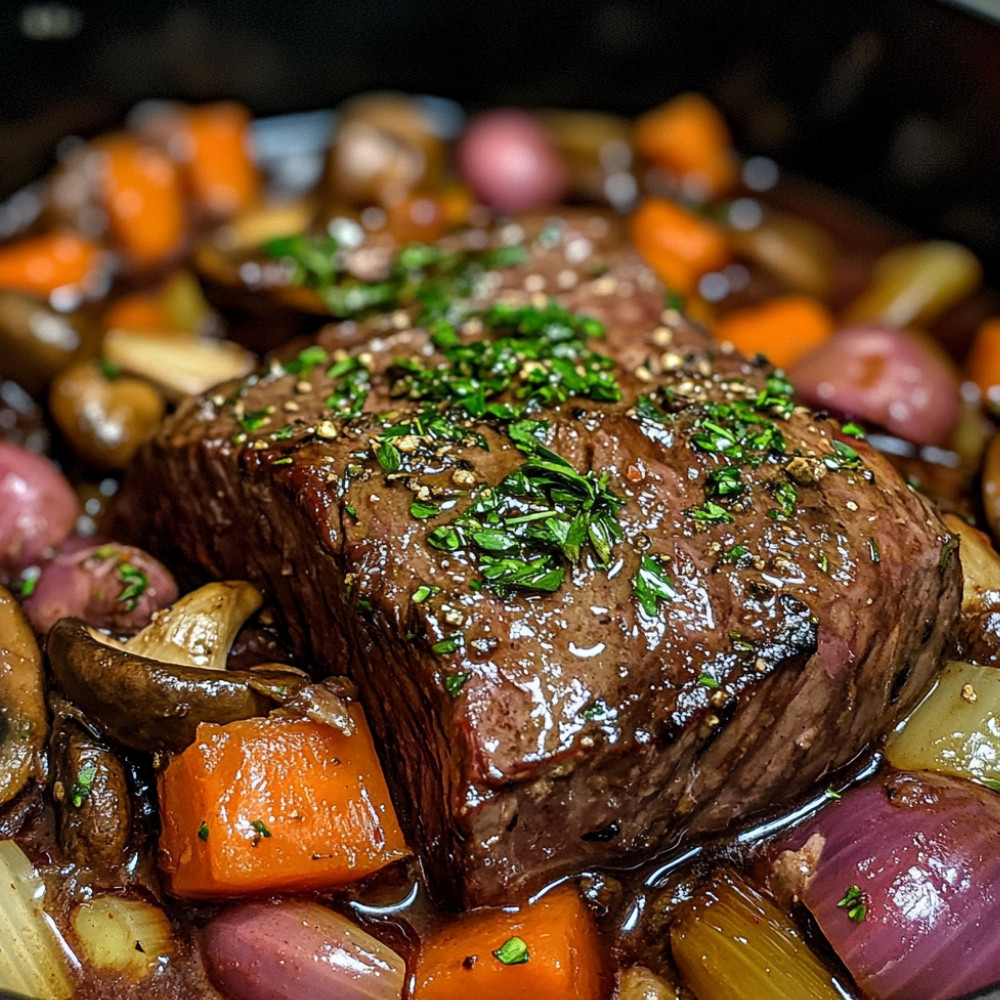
<point>677,244</point>
<point>983,363</point>
<point>42,264</point>
<point>215,155</point>
<point>275,804</point>
<point>142,195</point>
<point>783,329</point>
<point>549,949</point>
<point>136,311</point>
<point>689,137</point>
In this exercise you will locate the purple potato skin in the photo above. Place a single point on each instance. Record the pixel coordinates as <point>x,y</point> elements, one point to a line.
<point>117,587</point>
<point>292,950</point>
<point>896,379</point>
<point>38,508</point>
<point>510,162</point>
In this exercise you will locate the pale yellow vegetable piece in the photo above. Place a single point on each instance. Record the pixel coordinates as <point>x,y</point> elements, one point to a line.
<point>34,960</point>
<point>730,942</point>
<point>913,284</point>
<point>955,729</point>
<point>127,936</point>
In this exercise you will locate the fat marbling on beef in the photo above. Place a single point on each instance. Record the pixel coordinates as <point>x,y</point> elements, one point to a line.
<point>718,602</point>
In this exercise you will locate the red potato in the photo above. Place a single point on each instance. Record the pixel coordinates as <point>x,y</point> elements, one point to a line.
<point>895,379</point>
<point>297,950</point>
<point>38,508</point>
<point>509,161</point>
<point>108,586</point>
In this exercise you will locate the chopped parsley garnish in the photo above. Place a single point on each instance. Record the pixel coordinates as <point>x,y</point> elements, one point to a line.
<point>449,644</point>
<point>134,584</point>
<point>423,592</point>
<point>596,709</point>
<point>307,359</point>
<point>28,581</point>
<point>843,457</point>
<point>540,354</point>
<point>540,517</point>
<point>874,551</point>
<point>513,951</point>
<point>787,497</point>
<point>108,369</point>
<point>352,383</point>
<point>82,786</point>
<point>853,430</point>
<point>421,510</point>
<point>253,420</point>
<point>203,831</point>
<point>455,683</point>
<point>388,456</point>
<point>949,548</point>
<point>855,904</point>
<point>646,409</point>
<point>724,482</point>
<point>260,831</point>
<point>420,274</point>
<point>651,584</point>
<point>832,793</point>
<point>710,513</point>
<point>708,681</point>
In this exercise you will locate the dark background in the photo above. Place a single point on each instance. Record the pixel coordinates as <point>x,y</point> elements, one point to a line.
<point>898,103</point>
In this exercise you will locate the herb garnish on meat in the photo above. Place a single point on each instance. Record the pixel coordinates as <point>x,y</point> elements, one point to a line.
<point>419,274</point>
<point>540,517</point>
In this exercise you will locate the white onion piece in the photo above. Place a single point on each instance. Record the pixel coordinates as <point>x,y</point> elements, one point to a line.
<point>901,878</point>
<point>956,728</point>
<point>126,936</point>
<point>295,950</point>
<point>34,960</point>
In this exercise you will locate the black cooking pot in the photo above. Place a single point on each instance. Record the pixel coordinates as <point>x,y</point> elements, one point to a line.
<point>897,103</point>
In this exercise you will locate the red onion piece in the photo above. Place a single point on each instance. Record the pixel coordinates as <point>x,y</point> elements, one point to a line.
<point>896,379</point>
<point>923,852</point>
<point>38,508</point>
<point>108,586</point>
<point>296,951</point>
<point>509,161</point>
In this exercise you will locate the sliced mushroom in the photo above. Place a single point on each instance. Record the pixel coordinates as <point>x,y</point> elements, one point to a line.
<point>152,692</point>
<point>24,726</point>
<point>199,629</point>
<point>92,799</point>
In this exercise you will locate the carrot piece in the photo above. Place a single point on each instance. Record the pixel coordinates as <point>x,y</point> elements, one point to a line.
<point>677,244</point>
<point>689,137</point>
<point>982,366</point>
<point>783,329</point>
<point>136,311</point>
<point>215,156</point>
<point>551,946</point>
<point>142,195</point>
<point>275,804</point>
<point>41,264</point>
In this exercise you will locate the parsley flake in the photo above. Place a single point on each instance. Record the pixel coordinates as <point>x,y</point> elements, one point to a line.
<point>855,904</point>
<point>514,951</point>
<point>82,786</point>
<point>652,585</point>
<point>455,683</point>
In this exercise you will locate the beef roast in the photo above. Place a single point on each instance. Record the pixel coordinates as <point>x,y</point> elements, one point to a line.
<point>598,595</point>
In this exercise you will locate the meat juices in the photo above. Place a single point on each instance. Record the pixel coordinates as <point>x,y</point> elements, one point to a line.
<point>750,632</point>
